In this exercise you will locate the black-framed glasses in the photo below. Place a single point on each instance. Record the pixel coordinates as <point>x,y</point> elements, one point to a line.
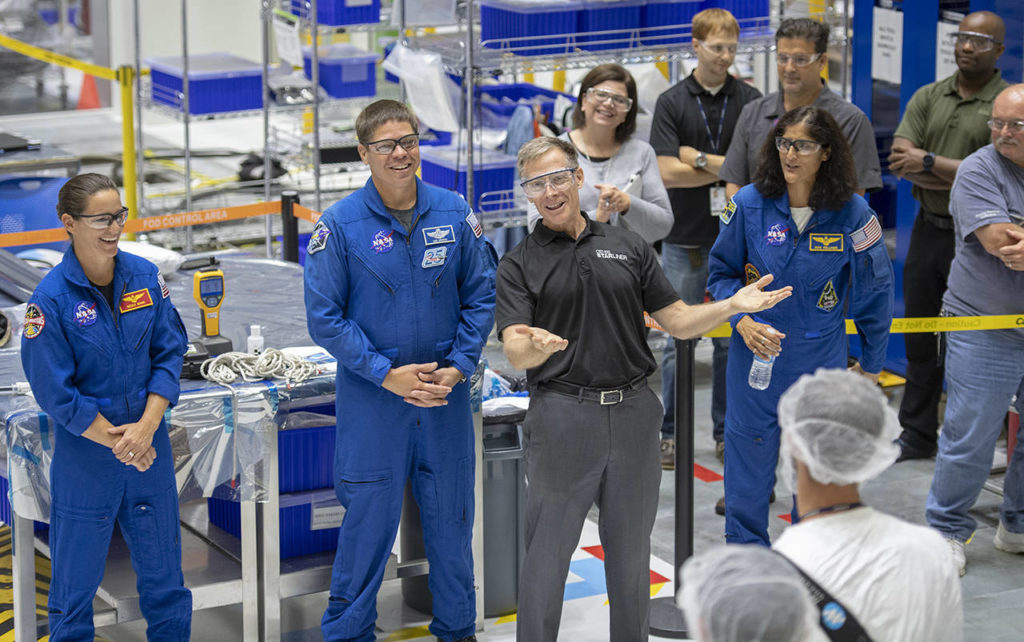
<point>801,145</point>
<point>385,146</point>
<point>997,125</point>
<point>559,180</point>
<point>103,221</point>
<point>979,41</point>
<point>622,103</point>
<point>718,50</point>
<point>798,60</point>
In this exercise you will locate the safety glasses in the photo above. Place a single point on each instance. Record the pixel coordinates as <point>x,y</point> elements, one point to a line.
<point>802,146</point>
<point>386,146</point>
<point>980,42</point>
<point>622,103</point>
<point>798,60</point>
<point>559,180</point>
<point>103,221</point>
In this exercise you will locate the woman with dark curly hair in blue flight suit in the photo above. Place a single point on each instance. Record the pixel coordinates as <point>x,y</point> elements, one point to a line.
<point>102,348</point>
<point>801,221</point>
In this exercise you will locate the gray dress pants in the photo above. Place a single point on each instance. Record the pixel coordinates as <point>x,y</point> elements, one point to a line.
<point>580,452</point>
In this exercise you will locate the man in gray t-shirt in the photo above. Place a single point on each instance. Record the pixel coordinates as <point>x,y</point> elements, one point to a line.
<point>984,368</point>
<point>801,54</point>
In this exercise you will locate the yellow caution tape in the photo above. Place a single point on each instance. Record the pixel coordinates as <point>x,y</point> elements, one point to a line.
<point>906,325</point>
<point>57,59</point>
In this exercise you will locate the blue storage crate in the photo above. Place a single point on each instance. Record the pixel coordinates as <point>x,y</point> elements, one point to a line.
<point>309,521</point>
<point>522,26</point>
<point>339,12</point>
<point>388,76</point>
<point>502,100</point>
<point>492,171</point>
<point>660,18</point>
<point>28,203</point>
<point>742,9</point>
<point>306,457</point>
<point>218,82</point>
<point>624,17</point>
<point>346,71</point>
<point>7,512</point>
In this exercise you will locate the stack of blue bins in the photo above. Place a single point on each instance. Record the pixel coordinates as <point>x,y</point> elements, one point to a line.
<point>662,19</point>
<point>623,18</point>
<point>529,27</point>
<point>497,102</point>
<point>333,13</point>
<point>346,71</point>
<point>309,510</point>
<point>742,9</point>
<point>217,82</point>
<point>446,167</point>
<point>27,204</point>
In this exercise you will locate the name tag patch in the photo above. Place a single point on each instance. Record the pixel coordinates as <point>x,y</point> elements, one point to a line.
<point>434,256</point>
<point>85,313</point>
<point>35,321</point>
<point>828,299</point>
<point>318,239</point>
<point>439,234</point>
<point>826,243</point>
<point>135,300</point>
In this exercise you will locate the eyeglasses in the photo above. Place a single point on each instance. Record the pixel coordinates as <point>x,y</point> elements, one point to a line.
<point>802,146</point>
<point>980,42</point>
<point>798,60</point>
<point>560,180</point>
<point>386,146</point>
<point>103,221</point>
<point>622,103</point>
<point>718,50</point>
<point>997,124</point>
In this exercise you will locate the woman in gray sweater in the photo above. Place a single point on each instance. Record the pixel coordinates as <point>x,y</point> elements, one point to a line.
<point>622,185</point>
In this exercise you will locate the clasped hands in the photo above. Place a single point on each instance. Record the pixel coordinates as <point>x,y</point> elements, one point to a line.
<point>422,384</point>
<point>135,446</point>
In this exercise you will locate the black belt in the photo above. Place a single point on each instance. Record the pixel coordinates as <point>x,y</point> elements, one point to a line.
<point>941,221</point>
<point>604,396</point>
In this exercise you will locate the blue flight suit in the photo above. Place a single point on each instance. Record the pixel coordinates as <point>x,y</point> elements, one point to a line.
<point>82,358</point>
<point>378,297</point>
<point>838,267</point>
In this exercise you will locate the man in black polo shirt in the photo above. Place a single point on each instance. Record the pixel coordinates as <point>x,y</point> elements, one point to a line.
<point>692,128</point>
<point>570,308</point>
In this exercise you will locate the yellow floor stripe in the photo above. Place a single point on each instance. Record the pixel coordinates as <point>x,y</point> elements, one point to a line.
<point>505,619</point>
<point>408,634</point>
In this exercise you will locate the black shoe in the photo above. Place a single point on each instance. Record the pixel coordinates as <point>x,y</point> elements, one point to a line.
<point>720,504</point>
<point>911,452</point>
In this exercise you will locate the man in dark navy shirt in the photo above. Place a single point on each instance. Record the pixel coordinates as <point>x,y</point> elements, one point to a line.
<point>571,298</point>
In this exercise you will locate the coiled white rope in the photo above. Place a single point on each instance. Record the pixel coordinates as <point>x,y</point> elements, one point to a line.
<point>271,364</point>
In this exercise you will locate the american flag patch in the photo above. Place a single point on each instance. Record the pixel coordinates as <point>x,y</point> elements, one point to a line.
<point>474,223</point>
<point>163,285</point>
<point>866,236</point>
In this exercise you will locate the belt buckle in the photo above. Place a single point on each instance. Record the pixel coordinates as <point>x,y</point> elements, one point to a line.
<point>609,398</point>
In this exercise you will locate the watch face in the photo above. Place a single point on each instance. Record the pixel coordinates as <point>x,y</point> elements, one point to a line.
<point>702,160</point>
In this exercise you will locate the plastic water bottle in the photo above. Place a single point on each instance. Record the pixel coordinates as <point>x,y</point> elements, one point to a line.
<point>761,370</point>
<point>254,342</point>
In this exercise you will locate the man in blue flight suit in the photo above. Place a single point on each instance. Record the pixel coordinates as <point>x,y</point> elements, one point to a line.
<point>102,349</point>
<point>833,254</point>
<point>400,289</point>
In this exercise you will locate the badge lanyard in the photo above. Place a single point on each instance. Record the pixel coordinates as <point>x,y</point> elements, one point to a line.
<point>707,127</point>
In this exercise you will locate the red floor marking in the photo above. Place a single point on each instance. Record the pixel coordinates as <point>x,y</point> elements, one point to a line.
<point>787,517</point>
<point>598,552</point>
<point>705,474</point>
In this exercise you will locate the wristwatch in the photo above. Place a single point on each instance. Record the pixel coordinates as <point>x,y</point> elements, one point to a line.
<point>701,161</point>
<point>928,162</point>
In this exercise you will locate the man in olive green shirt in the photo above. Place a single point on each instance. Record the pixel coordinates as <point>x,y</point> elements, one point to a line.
<point>944,122</point>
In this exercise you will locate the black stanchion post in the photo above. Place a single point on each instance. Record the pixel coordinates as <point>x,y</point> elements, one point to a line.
<point>667,619</point>
<point>290,227</point>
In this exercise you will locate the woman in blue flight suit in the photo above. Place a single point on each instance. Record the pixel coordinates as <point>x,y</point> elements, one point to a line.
<point>801,221</point>
<point>102,349</point>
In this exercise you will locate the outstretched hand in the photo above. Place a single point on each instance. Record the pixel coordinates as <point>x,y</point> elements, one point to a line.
<point>753,298</point>
<point>543,340</point>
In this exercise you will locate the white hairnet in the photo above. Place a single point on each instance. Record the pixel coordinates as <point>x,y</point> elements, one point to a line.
<point>840,425</point>
<point>745,593</point>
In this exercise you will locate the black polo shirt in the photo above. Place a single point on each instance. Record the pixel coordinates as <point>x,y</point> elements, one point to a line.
<point>677,122</point>
<point>592,291</point>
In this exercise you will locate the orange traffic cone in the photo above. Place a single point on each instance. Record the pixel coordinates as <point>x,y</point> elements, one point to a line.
<point>89,98</point>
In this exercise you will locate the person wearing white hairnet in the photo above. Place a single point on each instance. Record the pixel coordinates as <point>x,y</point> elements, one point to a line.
<point>895,577</point>
<point>746,593</point>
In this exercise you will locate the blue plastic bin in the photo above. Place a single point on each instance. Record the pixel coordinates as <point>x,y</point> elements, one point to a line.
<point>502,100</point>
<point>622,16</point>
<point>492,171</point>
<point>339,12</point>
<point>346,71</point>
<point>663,19</point>
<point>742,9</point>
<point>302,532</point>
<point>29,203</point>
<point>503,23</point>
<point>218,82</point>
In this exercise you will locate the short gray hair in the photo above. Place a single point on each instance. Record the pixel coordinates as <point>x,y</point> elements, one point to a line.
<point>537,147</point>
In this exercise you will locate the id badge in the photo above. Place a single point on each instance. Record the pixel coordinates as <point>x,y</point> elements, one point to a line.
<point>718,200</point>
